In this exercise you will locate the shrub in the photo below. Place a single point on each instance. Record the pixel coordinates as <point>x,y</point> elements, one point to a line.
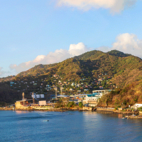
<point>71,104</point>
<point>140,109</point>
<point>80,104</point>
<point>116,108</point>
<point>124,102</point>
<point>136,98</point>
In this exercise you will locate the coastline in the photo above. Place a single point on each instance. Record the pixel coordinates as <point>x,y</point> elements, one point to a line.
<point>126,114</point>
<point>52,109</point>
<point>97,109</point>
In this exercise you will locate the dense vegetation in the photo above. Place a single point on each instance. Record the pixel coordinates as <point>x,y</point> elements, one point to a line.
<point>122,68</point>
<point>7,95</point>
<point>89,71</point>
<point>126,97</point>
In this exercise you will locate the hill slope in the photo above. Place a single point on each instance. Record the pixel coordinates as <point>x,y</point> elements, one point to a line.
<point>122,68</point>
<point>91,70</point>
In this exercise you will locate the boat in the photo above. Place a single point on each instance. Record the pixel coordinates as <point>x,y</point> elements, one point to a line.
<point>124,118</point>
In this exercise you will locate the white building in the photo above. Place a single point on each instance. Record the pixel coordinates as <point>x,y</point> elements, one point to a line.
<point>42,103</point>
<point>102,92</point>
<point>92,97</point>
<point>136,106</point>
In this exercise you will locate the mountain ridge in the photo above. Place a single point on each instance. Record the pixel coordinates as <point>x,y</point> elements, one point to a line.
<point>115,62</point>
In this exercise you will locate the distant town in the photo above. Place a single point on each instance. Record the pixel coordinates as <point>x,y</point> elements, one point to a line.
<point>43,85</point>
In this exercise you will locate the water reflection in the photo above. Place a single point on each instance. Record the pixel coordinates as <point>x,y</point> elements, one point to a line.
<point>21,112</point>
<point>120,115</point>
<point>89,113</point>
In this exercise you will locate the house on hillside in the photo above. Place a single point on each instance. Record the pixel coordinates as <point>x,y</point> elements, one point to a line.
<point>100,79</point>
<point>65,82</point>
<point>101,87</point>
<point>85,90</point>
<point>71,89</point>
<point>55,75</point>
<point>102,92</point>
<point>79,91</point>
<point>11,83</point>
<point>72,84</point>
<point>136,106</point>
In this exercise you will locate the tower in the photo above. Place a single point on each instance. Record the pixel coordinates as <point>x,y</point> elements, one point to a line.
<point>61,88</point>
<point>55,88</point>
<point>23,98</point>
<point>33,96</point>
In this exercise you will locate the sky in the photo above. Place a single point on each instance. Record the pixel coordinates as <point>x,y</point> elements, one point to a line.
<point>50,31</point>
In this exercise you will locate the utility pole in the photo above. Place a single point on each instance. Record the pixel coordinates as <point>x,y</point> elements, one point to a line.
<point>33,97</point>
<point>61,88</point>
<point>55,88</point>
<point>23,98</point>
<point>23,94</point>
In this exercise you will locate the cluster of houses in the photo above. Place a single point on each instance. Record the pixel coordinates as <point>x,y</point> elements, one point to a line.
<point>22,86</point>
<point>81,86</point>
<point>90,100</point>
<point>42,85</point>
<point>38,101</point>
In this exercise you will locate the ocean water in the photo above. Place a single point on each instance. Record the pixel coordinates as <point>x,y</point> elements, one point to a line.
<point>20,126</point>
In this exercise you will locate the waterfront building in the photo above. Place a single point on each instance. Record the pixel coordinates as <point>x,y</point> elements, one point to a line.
<point>93,99</point>
<point>42,103</point>
<point>136,106</point>
<point>21,104</point>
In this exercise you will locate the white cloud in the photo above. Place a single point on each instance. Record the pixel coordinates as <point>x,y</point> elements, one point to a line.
<point>52,57</point>
<point>114,5</point>
<point>127,43</point>
<point>77,49</point>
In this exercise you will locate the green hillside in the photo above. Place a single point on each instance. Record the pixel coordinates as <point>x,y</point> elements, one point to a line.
<point>91,70</point>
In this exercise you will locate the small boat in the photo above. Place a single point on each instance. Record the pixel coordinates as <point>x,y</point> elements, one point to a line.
<point>124,118</point>
<point>45,120</point>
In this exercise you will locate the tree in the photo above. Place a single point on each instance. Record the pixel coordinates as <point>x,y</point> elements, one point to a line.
<point>80,104</point>
<point>71,104</point>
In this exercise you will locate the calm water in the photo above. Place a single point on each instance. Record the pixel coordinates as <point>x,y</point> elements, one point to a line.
<point>67,127</point>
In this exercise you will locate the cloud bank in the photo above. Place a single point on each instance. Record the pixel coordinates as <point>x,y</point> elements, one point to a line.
<point>127,43</point>
<point>52,57</point>
<point>115,6</point>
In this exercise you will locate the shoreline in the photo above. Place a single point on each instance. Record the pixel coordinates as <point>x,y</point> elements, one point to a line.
<point>127,115</point>
<point>48,110</point>
<point>97,109</point>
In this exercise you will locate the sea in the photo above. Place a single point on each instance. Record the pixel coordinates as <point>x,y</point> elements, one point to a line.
<point>70,126</point>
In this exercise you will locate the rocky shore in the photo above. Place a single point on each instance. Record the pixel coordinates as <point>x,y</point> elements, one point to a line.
<point>51,109</point>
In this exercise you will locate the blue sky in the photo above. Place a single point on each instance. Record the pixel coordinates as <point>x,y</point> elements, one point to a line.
<point>48,31</point>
